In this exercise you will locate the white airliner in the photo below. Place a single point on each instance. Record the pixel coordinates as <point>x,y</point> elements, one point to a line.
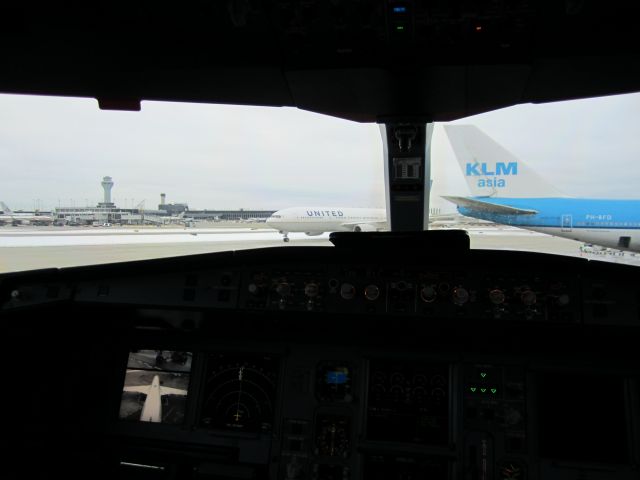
<point>504,190</point>
<point>179,219</point>
<point>152,409</point>
<point>318,220</point>
<point>8,216</point>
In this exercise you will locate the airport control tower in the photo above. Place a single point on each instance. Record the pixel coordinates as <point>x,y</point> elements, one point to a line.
<point>107,185</point>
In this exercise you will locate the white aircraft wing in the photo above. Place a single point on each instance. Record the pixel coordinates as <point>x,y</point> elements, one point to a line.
<point>138,389</point>
<point>489,207</point>
<point>172,391</point>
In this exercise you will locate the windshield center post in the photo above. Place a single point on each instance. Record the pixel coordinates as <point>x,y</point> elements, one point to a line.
<point>407,174</point>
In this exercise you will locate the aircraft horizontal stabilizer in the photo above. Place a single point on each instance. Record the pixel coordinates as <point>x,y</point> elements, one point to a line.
<point>138,389</point>
<point>172,391</point>
<point>488,207</point>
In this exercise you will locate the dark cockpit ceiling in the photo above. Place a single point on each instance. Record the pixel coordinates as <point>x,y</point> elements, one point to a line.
<point>363,60</point>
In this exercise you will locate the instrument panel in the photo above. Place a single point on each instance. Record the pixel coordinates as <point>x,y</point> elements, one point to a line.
<point>313,410</point>
<point>318,369</point>
<point>366,289</point>
<point>476,287</point>
<point>411,415</point>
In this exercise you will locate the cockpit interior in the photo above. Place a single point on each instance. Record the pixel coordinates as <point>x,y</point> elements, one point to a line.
<point>399,355</point>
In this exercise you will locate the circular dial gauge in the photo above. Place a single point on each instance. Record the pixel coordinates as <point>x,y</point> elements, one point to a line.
<point>332,436</point>
<point>239,393</point>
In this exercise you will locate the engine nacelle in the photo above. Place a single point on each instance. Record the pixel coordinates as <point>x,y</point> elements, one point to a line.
<point>364,227</point>
<point>313,234</point>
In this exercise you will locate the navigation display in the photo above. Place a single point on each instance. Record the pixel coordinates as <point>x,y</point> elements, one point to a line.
<point>156,386</point>
<point>240,393</point>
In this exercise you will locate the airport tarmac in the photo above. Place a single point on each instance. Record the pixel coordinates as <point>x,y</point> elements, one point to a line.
<point>49,247</point>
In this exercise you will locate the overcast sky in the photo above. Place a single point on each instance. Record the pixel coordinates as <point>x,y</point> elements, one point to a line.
<point>55,151</point>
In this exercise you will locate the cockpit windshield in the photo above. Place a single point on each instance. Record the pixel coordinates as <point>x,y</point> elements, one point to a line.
<point>83,186</point>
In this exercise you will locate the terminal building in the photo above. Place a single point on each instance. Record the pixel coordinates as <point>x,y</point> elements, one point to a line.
<point>102,216</point>
<point>230,215</point>
<point>107,213</point>
<point>212,215</point>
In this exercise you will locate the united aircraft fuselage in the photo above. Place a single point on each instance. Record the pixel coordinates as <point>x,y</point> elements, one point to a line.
<point>318,220</point>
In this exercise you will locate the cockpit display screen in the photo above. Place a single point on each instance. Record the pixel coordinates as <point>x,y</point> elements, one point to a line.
<point>156,386</point>
<point>240,393</point>
<point>334,381</point>
<point>336,377</point>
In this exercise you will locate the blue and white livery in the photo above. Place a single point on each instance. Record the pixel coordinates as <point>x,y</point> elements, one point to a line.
<point>504,190</point>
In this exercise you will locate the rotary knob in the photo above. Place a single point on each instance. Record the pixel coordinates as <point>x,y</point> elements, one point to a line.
<point>497,296</point>
<point>428,293</point>
<point>371,292</point>
<point>311,290</point>
<point>528,297</point>
<point>283,289</point>
<point>255,289</point>
<point>460,295</point>
<point>563,300</point>
<point>347,291</point>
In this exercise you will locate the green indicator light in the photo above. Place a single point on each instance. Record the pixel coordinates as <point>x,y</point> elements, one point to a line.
<point>483,390</point>
<point>483,374</point>
<point>473,389</point>
<point>494,390</point>
<point>399,27</point>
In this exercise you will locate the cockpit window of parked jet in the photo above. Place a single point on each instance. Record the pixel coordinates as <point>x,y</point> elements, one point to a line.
<point>177,178</point>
